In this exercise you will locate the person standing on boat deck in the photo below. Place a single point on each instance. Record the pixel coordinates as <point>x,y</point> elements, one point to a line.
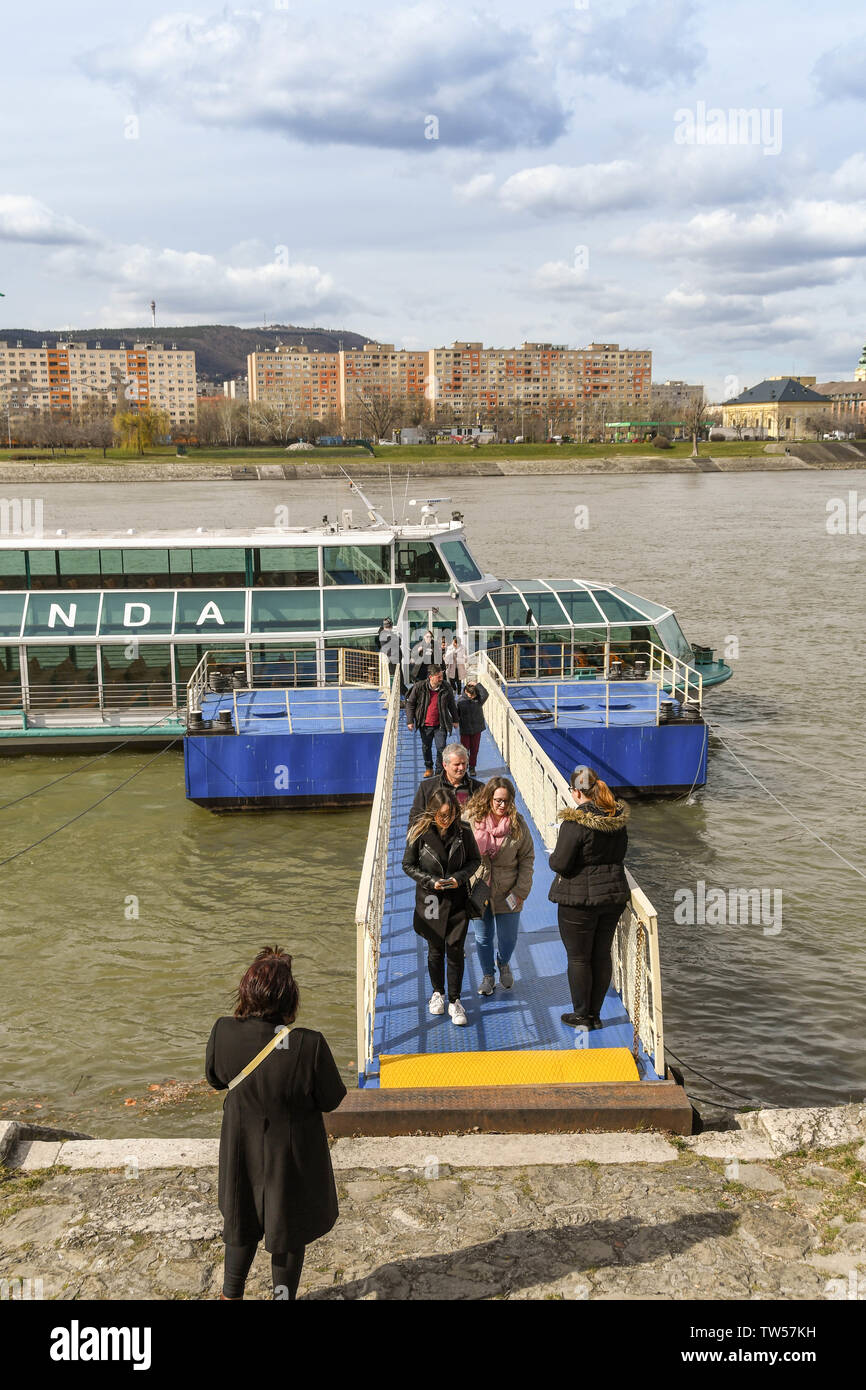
<point>442,856</point>
<point>275,1174</point>
<point>507,859</point>
<point>423,658</point>
<point>455,664</point>
<point>471,720</point>
<point>590,889</point>
<point>389,643</point>
<point>454,777</point>
<point>430,705</point>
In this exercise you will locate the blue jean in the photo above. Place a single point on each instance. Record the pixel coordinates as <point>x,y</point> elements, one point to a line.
<point>503,928</point>
<point>429,736</point>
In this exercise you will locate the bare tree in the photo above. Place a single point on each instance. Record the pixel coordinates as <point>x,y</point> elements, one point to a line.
<point>378,411</point>
<point>695,419</point>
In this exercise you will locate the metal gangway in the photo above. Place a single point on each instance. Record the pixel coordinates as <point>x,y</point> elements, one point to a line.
<point>392,983</point>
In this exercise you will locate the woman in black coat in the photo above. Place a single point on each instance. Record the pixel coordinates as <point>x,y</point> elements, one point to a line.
<point>591,890</point>
<point>275,1175</point>
<point>442,857</point>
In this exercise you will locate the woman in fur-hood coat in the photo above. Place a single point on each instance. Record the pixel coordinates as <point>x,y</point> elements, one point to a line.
<point>590,889</point>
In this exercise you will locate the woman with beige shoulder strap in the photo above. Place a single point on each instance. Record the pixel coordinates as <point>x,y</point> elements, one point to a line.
<point>275,1176</point>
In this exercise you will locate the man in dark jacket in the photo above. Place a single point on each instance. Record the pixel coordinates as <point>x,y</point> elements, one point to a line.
<point>430,705</point>
<point>389,643</point>
<point>454,776</point>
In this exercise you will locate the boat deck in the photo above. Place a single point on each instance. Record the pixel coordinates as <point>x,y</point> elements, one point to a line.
<point>585,703</point>
<point>524,1019</point>
<point>326,710</point>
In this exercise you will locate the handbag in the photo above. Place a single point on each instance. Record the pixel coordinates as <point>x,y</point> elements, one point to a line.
<point>479,897</point>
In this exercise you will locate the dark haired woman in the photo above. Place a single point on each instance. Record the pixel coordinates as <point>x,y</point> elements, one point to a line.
<point>442,857</point>
<point>275,1175</point>
<point>591,890</point>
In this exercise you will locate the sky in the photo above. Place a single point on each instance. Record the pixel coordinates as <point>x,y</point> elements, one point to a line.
<point>428,172</point>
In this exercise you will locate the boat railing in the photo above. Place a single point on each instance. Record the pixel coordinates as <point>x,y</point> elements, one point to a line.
<point>283,667</point>
<point>637,970</point>
<point>640,660</point>
<point>370,906</point>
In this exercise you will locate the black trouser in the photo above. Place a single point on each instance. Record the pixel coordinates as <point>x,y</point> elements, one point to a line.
<point>437,953</point>
<point>394,666</point>
<point>430,733</point>
<point>587,934</point>
<point>285,1271</point>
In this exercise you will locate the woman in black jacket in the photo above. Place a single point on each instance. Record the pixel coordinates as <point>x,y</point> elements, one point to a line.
<point>275,1175</point>
<point>442,857</point>
<point>590,889</point>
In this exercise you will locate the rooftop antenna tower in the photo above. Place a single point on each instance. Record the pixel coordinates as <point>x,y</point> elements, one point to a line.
<point>153,313</point>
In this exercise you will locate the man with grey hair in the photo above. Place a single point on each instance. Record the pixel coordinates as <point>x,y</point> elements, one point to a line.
<point>454,776</point>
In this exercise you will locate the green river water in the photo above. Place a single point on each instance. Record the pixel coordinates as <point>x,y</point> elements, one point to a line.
<point>124,935</point>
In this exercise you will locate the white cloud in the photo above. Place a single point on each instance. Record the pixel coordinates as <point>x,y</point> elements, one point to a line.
<point>841,72</point>
<point>805,231</point>
<point>407,77</point>
<point>477,188</point>
<point>646,46</point>
<point>191,285</point>
<point>25,219</point>
<point>588,188</point>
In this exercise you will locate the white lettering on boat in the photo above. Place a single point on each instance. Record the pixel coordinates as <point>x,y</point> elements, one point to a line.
<point>210,613</point>
<point>129,621</point>
<point>55,612</point>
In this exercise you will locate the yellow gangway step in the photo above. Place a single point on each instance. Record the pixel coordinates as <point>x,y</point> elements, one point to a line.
<point>591,1064</point>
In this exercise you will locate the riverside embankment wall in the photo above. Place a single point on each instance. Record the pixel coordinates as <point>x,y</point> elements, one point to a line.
<point>816,457</point>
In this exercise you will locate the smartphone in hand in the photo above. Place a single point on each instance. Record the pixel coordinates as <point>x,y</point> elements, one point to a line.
<point>512,902</point>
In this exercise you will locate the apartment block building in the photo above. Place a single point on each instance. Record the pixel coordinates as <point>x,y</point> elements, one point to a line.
<point>463,382</point>
<point>63,378</point>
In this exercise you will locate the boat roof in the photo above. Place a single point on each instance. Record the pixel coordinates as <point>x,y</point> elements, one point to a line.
<point>223,535</point>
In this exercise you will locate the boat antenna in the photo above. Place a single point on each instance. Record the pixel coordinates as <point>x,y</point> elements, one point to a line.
<point>405,495</point>
<point>374,515</point>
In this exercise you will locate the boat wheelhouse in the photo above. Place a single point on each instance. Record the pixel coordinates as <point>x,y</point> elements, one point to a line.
<point>100,631</point>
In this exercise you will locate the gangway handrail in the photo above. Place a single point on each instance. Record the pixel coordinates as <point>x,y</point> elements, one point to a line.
<point>370,904</point>
<point>637,970</point>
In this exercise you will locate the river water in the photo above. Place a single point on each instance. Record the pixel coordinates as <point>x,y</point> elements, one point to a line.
<point>124,935</point>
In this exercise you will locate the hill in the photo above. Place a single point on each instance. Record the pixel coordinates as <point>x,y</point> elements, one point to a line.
<point>220,349</point>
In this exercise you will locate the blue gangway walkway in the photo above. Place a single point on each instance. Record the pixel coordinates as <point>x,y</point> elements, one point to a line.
<point>525,1018</point>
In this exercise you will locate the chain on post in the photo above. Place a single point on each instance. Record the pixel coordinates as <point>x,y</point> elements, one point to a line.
<point>638,973</point>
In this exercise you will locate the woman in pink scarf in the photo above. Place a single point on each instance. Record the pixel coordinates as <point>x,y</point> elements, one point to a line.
<point>507,857</point>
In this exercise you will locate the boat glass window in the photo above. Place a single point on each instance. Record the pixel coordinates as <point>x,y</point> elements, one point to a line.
<point>290,665</point>
<point>674,639</point>
<point>511,609</point>
<point>43,569</point>
<point>580,607</point>
<point>221,568</point>
<point>652,610</point>
<point>79,569</point>
<point>356,564</point>
<point>11,613</point>
<point>59,614</point>
<point>147,569</point>
<point>13,573</point>
<point>419,562</point>
<point>530,586</point>
<point>210,613</point>
<point>359,608</point>
<point>286,610</point>
<point>111,565</point>
<point>284,566</point>
<point>461,563</point>
<point>136,677</point>
<point>616,609</point>
<point>480,614</point>
<point>10,675</point>
<point>546,609</point>
<point>53,671</point>
<point>134,612</point>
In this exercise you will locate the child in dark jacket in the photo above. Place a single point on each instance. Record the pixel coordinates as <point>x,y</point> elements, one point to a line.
<point>471,720</point>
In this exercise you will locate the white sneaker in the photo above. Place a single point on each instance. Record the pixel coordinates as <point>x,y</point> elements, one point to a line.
<point>457,1012</point>
<point>437,1003</point>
